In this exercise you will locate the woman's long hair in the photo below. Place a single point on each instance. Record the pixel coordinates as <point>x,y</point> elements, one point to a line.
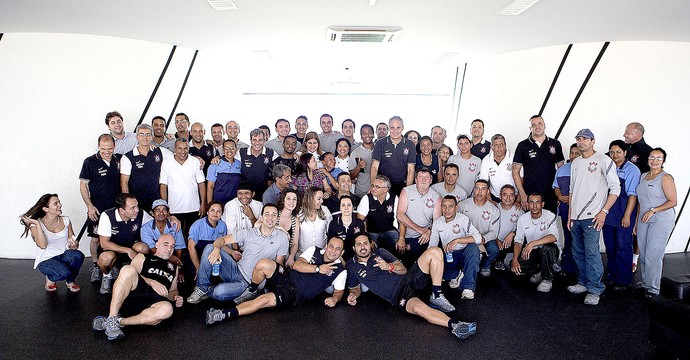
<point>303,164</point>
<point>36,211</point>
<point>281,202</point>
<point>312,135</point>
<point>308,207</point>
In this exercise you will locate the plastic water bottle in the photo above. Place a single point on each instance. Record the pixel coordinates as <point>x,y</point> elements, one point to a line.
<point>449,257</point>
<point>215,269</point>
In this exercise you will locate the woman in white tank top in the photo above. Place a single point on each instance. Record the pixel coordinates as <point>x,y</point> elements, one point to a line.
<point>58,257</point>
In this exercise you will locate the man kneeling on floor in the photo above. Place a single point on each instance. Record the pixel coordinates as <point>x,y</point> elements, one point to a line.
<point>535,244</point>
<point>388,278</point>
<point>315,271</point>
<point>145,287</point>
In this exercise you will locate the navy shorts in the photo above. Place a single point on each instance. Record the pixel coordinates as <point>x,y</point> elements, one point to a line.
<point>411,285</point>
<point>281,285</point>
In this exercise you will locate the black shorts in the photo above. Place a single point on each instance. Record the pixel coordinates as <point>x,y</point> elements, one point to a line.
<point>120,258</point>
<point>411,285</point>
<point>91,227</point>
<point>140,299</point>
<point>281,285</point>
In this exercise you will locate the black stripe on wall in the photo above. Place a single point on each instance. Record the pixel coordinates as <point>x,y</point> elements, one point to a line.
<point>680,212</point>
<point>555,79</point>
<point>582,88</point>
<point>191,65</point>
<point>158,84</point>
<point>1,34</point>
<point>462,87</point>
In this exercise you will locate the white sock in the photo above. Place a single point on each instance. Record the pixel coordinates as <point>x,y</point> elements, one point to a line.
<point>635,257</point>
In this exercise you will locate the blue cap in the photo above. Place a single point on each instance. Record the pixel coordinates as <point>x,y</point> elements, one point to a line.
<point>585,133</point>
<point>159,202</point>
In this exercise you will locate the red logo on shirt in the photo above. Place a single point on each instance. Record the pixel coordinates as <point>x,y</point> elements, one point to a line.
<point>429,203</point>
<point>513,218</point>
<point>552,150</point>
<point>472,167</point>
<point>592,166</point>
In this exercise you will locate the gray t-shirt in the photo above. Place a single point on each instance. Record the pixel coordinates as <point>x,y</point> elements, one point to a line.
<point>508,222</point>
<point>363,181</point>
<point>469,170</point>
<point>529,229</point>
<point>420,208</point>
<point>591,181</point>
<point>485,218</point>
<point>255,247</point>
<point>459,193</point>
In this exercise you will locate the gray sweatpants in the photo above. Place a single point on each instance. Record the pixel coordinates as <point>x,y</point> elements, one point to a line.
<point>652,239</point>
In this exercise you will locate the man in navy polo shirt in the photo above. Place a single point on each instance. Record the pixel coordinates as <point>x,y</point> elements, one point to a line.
<point>480,147</point>
<point>395,157</point>
<point>256,161</point>
<point>141,167</point>
<point>198,147</point>
<point>99,184</point>
<point>540,156</point>
<point>378,208</point>
<point>120,237</point>
<point>388,278</point>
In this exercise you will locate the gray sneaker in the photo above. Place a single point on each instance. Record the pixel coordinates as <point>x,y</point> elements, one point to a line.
<point>535,279</point>
<point>197,295</point>
<point>246,295</point>
<point>545,286</point>
<point>441,303</point>
<point>99,323</point>
<point>114,273</point>
<point>499,265</point>
<point>463,329</point>
<point>455,283</point>
<point>106,285</point>
<point>112,328</point>
<point>592,299</point>
<point>468,294</point>
<point>96,274</point>
<point>214,316</point>
<point>485,272</point>
<point>577,289</point>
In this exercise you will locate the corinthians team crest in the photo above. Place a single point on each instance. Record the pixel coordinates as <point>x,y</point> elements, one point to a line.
<point>542,226</point>
<point>513,218</point>
<point>486,215</point>
<point>135,227</point>
<point>456,228</point>
<point>171,266</point>
<point>472,167</point>
<point>552,150</point>
<point>389,208</point>
<point>406,151</point>
<point>429,203</point>
<point>266,160</point>
<point>634,158</point>
<point>157,158</point>
<point>592,166</point>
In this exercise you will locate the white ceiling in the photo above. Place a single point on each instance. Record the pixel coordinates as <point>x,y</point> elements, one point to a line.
<point>295,30</point>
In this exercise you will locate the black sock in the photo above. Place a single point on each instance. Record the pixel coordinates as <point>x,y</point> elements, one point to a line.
<point>452,321</point>
<point>436,290</point>
<point>253,287</point>
<point>232,313</point>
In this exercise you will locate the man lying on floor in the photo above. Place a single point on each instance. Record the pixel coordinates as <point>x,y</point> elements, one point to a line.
<point>388,278</point>
<point>315,271</point>
<point>146,288</point>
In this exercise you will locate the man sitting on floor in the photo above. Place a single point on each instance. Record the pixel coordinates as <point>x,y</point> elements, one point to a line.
<point>315,271</point>
<point>388,278</point>
<point>145,288</point>
<point>536,230</point>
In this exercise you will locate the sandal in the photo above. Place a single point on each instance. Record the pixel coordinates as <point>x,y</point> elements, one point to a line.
<point>73,287</point>
<point>50,286</point>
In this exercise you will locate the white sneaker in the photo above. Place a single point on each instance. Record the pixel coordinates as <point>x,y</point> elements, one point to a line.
<point>545,286</point>
<point>455,283</point>
<point>468,294</point>
<point>577,289</point>
<point>592,299</point>
<point>485,272</point>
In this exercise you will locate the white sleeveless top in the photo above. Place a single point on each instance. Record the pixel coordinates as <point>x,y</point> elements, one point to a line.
<point>57,242</point>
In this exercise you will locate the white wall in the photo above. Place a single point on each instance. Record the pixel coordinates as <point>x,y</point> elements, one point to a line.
<point>57,88</point>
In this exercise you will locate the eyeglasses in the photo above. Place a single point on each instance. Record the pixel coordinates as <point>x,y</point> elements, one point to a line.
<point>230,148</point>
<point>377,186</point>
<point>658,158</point>
<point>145,134</point>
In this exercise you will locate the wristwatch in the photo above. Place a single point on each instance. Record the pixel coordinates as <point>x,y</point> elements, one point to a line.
<point>317,269</point>
<point>605,211</point>
<point>653,210</point>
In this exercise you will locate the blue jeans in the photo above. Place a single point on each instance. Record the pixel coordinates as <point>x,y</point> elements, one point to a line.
<point>385,240</point>
<point>466,259</point>
<point>587,256</point>
<point>233,283</point>
<point>491,253</point>
<point>62,267</point>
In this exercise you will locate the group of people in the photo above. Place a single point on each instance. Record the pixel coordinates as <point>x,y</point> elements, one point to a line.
<point>276,222</point>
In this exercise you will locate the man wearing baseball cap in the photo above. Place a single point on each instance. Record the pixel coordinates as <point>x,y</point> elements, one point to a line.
<point>594,187</point>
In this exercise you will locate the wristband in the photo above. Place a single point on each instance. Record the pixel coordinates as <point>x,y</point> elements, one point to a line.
<point>392,267</point>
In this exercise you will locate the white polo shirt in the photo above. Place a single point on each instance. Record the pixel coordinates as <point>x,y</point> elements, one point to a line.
<point>497,174</point>
<point>183,184</point>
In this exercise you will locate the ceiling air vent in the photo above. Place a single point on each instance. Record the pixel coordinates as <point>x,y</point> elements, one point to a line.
<point>222,5</point>
<point>367,34</point>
